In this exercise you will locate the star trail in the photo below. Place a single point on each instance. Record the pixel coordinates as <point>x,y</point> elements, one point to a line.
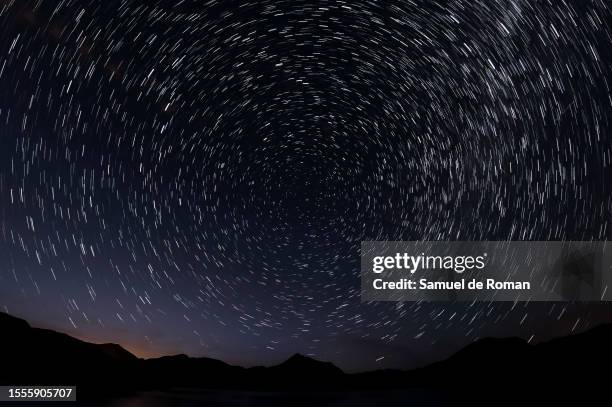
<point>197,177</point>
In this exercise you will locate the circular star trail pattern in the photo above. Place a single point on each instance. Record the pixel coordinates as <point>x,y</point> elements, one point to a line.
<point>197,177</point>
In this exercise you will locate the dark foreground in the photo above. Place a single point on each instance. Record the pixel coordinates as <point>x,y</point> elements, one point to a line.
<point>229,398</point>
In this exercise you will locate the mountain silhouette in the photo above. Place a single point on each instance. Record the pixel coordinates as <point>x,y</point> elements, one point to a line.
<point>301,363</point>
<point>116,352</point>
<point>44,357</point>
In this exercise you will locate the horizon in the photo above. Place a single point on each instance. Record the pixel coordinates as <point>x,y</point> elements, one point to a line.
<point>313,357</point>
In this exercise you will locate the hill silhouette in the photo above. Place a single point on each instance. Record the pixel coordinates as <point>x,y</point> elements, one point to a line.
<point>38,356</point>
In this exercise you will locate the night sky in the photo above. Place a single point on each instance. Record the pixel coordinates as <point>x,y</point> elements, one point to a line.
<point>197,177</point>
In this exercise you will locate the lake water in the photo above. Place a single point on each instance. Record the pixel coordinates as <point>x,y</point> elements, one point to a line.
<point>216,398</point>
